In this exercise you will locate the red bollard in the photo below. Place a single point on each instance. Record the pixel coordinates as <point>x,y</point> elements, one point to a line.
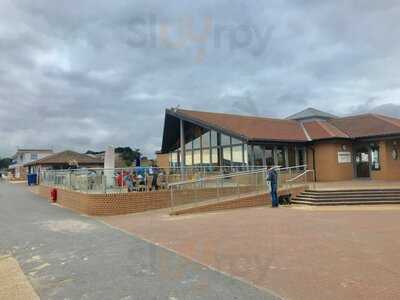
<point>53,195</point>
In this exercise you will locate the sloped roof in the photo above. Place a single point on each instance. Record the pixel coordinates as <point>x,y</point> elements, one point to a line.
<point>253,128</point>
<point>66,157</point>
<point>318,130</point>
<point>309,113</point>
<point>367,125</point>
<point>250,127</point>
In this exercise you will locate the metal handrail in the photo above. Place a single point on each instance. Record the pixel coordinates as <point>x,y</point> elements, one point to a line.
<point>218,177</point>
<point>278,168</point>
<point>300,175</point>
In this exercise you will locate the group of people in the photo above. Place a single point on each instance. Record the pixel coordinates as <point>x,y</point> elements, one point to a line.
<point>137,178</point>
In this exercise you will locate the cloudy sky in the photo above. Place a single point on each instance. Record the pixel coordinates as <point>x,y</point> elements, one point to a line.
<point>84,74</point>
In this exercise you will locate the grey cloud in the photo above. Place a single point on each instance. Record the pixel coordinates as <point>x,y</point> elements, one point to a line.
<point>73,76</point>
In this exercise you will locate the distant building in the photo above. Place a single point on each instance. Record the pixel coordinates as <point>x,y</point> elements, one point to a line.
<point>18,169</point>
<point>337,148</point>
<point>65,160</point>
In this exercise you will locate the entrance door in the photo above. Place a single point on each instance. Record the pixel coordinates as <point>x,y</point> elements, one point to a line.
<point>362,162</point>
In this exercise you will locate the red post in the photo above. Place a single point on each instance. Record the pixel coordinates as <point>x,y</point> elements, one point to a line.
<point>53,195</point>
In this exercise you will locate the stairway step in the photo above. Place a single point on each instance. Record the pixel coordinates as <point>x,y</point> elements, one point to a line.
<point>350,196</point>
<point>346,199</point>
<point>353,191</point>
<point>345,203</point>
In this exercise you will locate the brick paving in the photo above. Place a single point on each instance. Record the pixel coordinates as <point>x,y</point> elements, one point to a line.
<point>336,253</point>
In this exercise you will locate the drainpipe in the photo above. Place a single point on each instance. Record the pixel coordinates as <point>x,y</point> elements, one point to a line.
<point>314,166</point>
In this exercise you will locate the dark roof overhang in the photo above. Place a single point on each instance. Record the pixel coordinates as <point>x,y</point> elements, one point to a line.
<point>172,122</point>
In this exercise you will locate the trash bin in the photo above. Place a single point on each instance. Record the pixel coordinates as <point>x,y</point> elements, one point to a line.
<point>32,178</point>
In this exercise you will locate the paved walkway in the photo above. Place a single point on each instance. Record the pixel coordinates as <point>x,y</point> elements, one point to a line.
<point>330,253</point>
<point>68,256</point>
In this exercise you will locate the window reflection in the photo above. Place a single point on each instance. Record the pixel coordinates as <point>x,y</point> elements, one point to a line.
<point>205,139</point>
<point>280,155</point>
<point>188,158</point>
<point>196,157</point>
<point>258,155</point>
<point>226,156</point>
<point>237,155</point>
<point>225,140</point>
<point>269,156</point>
<point>206,156</point>
<point>214,156</point>
<point>214,138</point>
<point>196,143</point>
<point>375,163</point>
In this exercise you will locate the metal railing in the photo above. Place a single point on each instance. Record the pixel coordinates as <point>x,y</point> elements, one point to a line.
<point>117,180</point>
<point>305,178</point>
<point>190,193</point>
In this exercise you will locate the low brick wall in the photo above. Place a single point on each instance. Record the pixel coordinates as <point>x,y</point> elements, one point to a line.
<point>107,204</point>
<point>125,203</point>
<point>250,201</point>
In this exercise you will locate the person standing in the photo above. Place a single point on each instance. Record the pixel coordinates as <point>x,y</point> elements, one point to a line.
<point>272,181</point>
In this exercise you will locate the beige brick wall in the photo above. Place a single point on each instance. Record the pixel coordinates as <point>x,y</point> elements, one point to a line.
<point>251,201</point>
<point>107,204</point>
<point>125,203</point>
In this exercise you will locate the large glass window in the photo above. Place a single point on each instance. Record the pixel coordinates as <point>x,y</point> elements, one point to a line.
<point>226,156</point>
<point>214,156</point>
<point>258,155</point>
<point>225,140</point>
<point>375,162</point>
<point>237,155</point>
<point>280,155</point>
<point>301,160</point>
<point>291,155</point>
<point>189,145</point>
<point>269,156</point>
<point>236,141</point>
<point>196,157</point>
<point>196,143</point>
<point>188,158</point>
<point>205,140</point>
<point>245,154</point>
<point>206,156</point>
<point>214,138</point>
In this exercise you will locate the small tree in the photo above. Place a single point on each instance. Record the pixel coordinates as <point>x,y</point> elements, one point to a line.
<point>128,155</point>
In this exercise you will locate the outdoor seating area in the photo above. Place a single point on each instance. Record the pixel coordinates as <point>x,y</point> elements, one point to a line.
<point>139,179</point>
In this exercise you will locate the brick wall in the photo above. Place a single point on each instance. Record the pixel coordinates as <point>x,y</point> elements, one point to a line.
<point>251,201</point>
<point>107,204</point>
<point>125,203</point>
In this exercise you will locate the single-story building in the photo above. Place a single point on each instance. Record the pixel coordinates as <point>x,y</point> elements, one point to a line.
<point>65,160</point>
<point>337,148</point>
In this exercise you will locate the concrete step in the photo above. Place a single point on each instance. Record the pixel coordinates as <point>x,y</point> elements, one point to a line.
<point>342,199</point>
<point>320,192</point>
<point>327,203</point>
<point>349,196</point>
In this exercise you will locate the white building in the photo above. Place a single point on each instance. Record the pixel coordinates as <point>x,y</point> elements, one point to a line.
<point>24,156</point>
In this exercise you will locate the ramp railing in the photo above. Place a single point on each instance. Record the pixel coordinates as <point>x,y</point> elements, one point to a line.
<point>191,193</point>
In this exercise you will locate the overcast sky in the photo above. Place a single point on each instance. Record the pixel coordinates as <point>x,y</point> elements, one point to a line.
<point>83,74</point>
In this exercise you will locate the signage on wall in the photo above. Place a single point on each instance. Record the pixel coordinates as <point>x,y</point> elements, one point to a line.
<point>344,157</point>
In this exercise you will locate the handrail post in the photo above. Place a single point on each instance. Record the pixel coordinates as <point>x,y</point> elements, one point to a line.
<point>218,195</point>
<point>172,199</point>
